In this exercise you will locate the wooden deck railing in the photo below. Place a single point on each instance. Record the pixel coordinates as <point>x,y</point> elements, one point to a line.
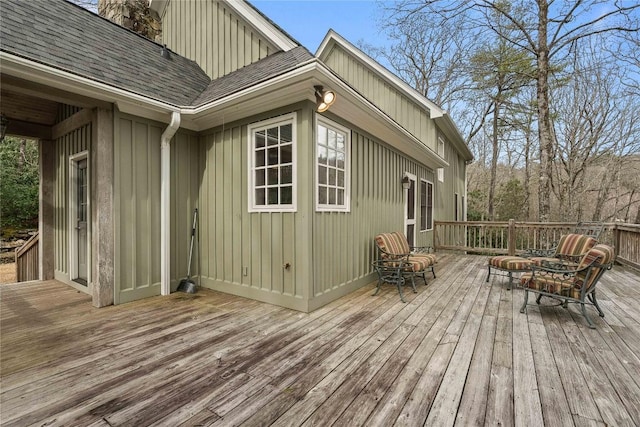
<point>512,237</point>
<point>27,260</point>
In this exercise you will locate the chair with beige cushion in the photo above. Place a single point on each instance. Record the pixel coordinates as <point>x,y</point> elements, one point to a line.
<point>570,284</point>
<point>417,260</point>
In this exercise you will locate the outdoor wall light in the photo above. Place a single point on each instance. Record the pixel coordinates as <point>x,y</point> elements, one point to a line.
<point>406,183</point>
<point>324,98</point>
<point>4,123</point>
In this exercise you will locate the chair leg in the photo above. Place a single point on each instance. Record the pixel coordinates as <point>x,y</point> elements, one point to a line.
<point>584,313</point>
<point>510,281</point>
<point>592,297</point>
<point>538,298</point>
<point>413,284</point>
<point>377,288</point>
<point>489,273</point>
<point>400,283</point>
<point>524,303</point>
<point>433,271</point>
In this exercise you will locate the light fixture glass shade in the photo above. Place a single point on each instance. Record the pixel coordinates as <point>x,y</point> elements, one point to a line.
<point>406,183</point>
<point>324,98</point>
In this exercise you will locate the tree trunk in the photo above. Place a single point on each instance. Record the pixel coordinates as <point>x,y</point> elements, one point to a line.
<point>544,118</point>
<point>494,163</point>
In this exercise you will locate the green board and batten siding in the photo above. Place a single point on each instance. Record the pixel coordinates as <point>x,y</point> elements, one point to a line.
<point>329,253</point>
<point>72,143</point>
<point>412,117</point>
<point>213,35</point>
<point>137,203</point>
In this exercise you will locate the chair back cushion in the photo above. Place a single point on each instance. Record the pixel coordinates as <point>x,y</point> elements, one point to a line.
<point>598,256</point>
<point>392,243</point>
<point>575,244</point>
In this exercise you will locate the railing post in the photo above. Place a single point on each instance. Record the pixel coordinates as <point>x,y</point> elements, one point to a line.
<point>511,236</point>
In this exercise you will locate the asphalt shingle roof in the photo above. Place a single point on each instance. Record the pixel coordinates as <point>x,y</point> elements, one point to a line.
<point>68,37</point>
<point>269,67</point>
<point>65,36</point>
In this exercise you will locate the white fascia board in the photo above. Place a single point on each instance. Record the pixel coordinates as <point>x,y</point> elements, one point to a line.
<point>333,37</point>
<point>449,128</point>
<point>44,74</point>
<point>266,28</point>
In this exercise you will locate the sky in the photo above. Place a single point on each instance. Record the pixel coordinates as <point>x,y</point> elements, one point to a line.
<point>308,21</point>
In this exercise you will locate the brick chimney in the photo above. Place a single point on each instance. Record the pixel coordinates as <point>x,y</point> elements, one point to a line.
<point>134,15</point>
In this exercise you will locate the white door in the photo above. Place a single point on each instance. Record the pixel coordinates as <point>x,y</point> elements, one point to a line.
<point>410,210</point>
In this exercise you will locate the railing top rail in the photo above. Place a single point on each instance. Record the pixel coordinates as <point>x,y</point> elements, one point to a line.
<point>27,245</point>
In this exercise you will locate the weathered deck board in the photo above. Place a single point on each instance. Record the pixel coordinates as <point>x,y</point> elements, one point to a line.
<point>458,352</point>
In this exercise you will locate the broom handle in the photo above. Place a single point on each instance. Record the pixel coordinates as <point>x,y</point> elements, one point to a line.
<point>193,233</point>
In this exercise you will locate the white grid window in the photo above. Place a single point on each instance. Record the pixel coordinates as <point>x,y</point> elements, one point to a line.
<point>333,144</point>
<point>272,151</point>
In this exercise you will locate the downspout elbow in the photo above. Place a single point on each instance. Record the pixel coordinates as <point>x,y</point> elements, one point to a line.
<point>172,128</point>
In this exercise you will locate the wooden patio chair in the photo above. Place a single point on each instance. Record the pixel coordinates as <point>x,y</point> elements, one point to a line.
<point>417,259</point>
<point>570,284</point>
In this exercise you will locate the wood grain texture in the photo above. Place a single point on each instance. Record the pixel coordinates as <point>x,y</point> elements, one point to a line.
<point>459,352</point>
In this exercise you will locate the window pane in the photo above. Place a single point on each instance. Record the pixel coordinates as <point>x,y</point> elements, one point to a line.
<point>273,156</point>
<point>259,177</point>
<point>260,200</point>
<point>332,176</point>
<point>260,160</point>
<point>285,133</point>
<point>285,153</point>
<point>341,197</point>
<point>332,138</point>
<point>260,139</point>
<point>322,175</point>
<point>340,182</point>
<point>332,195</point>
<point>286,195</point>
<point>322,155</point>
<point>332,157</point>
<point>272,194</point>
<point>340,160</point>
<point>322,195</point>
<point>340,141</point>
<point>272,136</point>
<point>322,135</point>
<point>272,176</point>
<point>286,174</point>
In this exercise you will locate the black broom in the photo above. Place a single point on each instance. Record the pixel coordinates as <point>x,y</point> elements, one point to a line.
<point>187,285</point>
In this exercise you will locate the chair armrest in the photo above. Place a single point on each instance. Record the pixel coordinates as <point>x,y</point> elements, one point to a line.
<point>421,249</point>
<point>392,256</point>
<point>530,253</point>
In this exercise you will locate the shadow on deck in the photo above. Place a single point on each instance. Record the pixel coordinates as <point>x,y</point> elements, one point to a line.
<point>459,352</point>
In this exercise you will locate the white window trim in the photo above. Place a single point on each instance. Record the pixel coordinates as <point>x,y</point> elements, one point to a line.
<point>432,207</point>
<point>290,118</point>
<point>346,207</point>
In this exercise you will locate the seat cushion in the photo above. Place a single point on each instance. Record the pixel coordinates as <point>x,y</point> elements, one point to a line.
<point>392,243</point>
<point>510,263</point>
<point>553,284</point>
<point>575,244</point>
<point>420,262</point>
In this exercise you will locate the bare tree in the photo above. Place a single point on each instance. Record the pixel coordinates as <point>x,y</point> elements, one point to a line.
<point>547,33</point>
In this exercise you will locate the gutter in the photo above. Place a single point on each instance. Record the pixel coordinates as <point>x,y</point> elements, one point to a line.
<point>165,200</point>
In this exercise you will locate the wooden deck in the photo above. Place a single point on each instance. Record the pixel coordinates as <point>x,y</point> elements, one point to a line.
<point>458,352</point>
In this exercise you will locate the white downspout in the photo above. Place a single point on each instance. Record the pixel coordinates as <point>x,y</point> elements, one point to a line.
<point>165,203</point>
